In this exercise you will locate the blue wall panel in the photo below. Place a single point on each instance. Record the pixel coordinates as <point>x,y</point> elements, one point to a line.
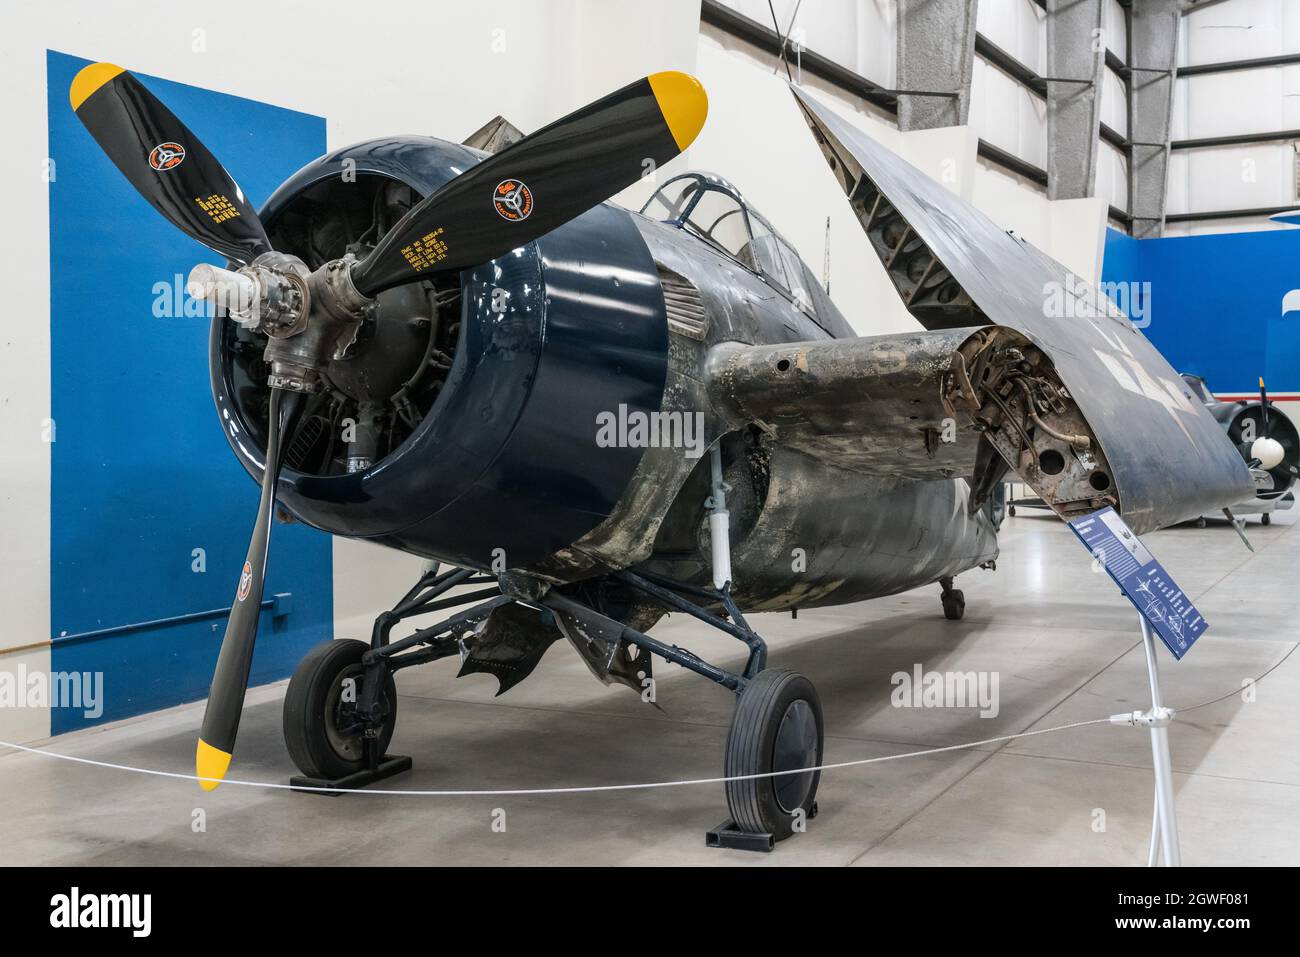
<point>141,474</point>
<point>1216,304</point>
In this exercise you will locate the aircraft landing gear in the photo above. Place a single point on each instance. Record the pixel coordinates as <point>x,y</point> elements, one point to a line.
<point>324,732</point>
<point>341,706</point>
<point>1266,519</point>
<point>342,702</point>
<point>954,601</point>
<point>777,730</point>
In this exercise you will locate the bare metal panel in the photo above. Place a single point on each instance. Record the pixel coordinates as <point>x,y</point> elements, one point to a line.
<point>872,405</point>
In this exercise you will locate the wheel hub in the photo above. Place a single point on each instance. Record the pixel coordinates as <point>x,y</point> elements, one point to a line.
<point>343,714</point>
<point>795,747</point>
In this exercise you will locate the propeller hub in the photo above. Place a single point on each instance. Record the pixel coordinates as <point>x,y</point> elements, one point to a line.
<point>309,317</point>
<point>269,295</point>
<point>1268,452</point>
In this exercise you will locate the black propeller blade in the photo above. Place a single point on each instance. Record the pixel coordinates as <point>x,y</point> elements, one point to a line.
<point>178,175</point>
<point>166,163</point>
<point>540,182</point>
<point>230,680</point>
<point>1263,407</point>
<point>1264,403</point>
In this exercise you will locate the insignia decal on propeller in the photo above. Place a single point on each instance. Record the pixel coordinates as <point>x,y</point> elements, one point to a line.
<point>166,156</point>
<point>513,200</point>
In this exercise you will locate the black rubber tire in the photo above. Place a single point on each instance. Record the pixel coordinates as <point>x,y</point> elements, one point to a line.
<point>754,803</point>
<point>1011,510</point>
<point>1266,519</point>
<point>1201,522</point>
<point>307,702</point>
<point>954,605</point>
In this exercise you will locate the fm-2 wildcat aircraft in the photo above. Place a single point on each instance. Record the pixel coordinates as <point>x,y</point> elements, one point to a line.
<point>1268,442</point>
<point>420,355</point>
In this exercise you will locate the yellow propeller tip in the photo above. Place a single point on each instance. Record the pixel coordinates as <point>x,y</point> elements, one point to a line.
<point>1261,382</point>
<point>90,79</point>
<point>683,102</point>
<point>211,764</point>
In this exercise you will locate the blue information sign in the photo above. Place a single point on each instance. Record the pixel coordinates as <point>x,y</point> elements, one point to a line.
<point>1141,578</point>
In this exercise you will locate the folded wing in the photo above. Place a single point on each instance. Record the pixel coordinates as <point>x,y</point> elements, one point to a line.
<point>1053,378</point>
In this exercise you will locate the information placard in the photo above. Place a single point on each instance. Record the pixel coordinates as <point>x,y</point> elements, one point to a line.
<point>1141,578</point>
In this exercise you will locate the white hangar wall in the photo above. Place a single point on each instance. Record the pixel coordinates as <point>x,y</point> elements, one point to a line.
<point>1261,100</point>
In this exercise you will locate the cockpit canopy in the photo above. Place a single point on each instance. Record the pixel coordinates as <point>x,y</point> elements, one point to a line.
<point>709,207</point>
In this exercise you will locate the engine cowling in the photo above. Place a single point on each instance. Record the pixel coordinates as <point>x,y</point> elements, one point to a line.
<point>461,422</point>
<point>1246,425</point>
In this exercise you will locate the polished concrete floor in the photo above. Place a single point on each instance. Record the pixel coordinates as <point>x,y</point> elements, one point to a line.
<point>1060,638</point>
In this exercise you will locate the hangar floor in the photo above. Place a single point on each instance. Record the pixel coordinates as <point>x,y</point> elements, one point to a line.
<point>1062,641</point>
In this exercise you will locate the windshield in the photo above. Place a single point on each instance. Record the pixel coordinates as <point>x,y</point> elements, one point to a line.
<point>706,210</point>
<point>708,207</point>
<point>670,201</point>
<point>718,218</point>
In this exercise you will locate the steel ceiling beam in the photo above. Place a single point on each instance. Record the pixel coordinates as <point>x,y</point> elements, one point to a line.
<point>1152,58</point>
<point>1073,109</point>
<point>936,51</point>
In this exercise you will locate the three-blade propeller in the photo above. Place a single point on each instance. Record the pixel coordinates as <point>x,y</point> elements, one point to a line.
<point>1267,451</point>
<point>500,204</point>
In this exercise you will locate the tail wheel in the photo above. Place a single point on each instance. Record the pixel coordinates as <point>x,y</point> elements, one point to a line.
<point>319,710</point>
<point>954,604</point>
<point>777,728</point>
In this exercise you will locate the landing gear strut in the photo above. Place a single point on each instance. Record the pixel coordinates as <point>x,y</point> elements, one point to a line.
<point>341,706</point>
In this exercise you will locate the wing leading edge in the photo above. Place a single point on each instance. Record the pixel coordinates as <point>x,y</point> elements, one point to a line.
<point>1075,399</point>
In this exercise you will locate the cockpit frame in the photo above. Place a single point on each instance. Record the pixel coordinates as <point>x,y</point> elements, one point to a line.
<point>764,251</point>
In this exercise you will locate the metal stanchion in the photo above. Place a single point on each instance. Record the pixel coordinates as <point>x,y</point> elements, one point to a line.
<point>1164,822</point>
